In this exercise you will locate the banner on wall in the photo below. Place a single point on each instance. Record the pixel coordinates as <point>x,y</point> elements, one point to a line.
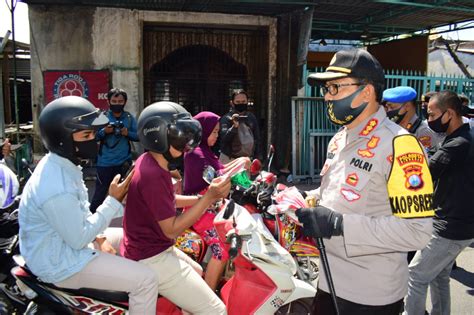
<point>92,85</point>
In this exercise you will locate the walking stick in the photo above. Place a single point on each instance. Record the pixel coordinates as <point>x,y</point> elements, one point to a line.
<point>327,271</point>
<point>311,202</point>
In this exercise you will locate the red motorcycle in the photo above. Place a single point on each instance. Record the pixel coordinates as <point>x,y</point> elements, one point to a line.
<point>261,265</point>
<point>257,197</point>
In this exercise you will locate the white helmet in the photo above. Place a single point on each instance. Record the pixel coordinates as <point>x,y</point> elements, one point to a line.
<point>8,186</point>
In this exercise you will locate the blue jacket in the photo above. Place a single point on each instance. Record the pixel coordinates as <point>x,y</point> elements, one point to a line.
<point>56,225</point>
<point>115,150</point>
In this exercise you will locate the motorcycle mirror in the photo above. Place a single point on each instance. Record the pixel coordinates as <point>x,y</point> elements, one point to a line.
<point>209,174</point>
<point>271,152</point>
<point>26,165</point>
<point>255,167</point>
<point>229,210</point>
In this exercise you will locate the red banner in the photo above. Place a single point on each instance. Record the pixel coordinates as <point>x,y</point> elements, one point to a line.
<point>92,85</point>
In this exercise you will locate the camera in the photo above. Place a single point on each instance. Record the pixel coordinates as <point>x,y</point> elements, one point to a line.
<point>117,125</point>
<point>238,117</point>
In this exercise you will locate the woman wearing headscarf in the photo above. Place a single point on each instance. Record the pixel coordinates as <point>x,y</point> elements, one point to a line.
<point>194,164</point>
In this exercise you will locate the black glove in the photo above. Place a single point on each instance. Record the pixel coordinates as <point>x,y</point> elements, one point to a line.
<point>320,222</point>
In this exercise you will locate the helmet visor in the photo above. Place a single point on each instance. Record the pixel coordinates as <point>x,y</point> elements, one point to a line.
<point>93,120</point>
<point>189,135</point>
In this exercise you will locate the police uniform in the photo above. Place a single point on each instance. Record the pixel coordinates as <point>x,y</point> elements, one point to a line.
<point>416,126</point>
<point>364,166</point>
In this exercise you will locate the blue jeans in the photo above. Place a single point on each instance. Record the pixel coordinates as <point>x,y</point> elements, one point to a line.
<point>431,267</point>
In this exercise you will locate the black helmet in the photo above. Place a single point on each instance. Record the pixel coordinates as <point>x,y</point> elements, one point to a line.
<point>163,124</point>
<point>64,116</point>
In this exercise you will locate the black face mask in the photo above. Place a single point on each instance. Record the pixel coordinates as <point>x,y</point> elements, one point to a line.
<point>173,163</point>
<point>437,126</point>
<point>116,108</point>
<point>86,149</point>
<point>241,107</point>
<point>340,111</point>
<point>394,115</point>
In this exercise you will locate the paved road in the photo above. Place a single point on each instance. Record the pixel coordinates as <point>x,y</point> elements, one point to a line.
<point>462,284</point>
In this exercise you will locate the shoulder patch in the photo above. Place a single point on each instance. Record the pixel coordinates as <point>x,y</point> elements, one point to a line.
<point>369,127</point>
<point>409,186</point>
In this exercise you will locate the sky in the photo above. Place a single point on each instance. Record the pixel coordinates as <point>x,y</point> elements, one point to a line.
<point>22,32</point>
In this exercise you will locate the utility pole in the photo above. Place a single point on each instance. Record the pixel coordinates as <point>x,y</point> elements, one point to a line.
<point>2,107</point>
<point>15,87</point>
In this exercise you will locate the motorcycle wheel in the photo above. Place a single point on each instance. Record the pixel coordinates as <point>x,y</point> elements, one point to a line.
<point>300,306</point>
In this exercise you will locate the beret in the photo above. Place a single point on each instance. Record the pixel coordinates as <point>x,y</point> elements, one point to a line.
<point>399,94</point>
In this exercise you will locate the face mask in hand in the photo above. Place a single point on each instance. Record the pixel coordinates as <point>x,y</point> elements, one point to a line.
<point>340,111</point>
<point>437,126</point>
<point>86,149</point>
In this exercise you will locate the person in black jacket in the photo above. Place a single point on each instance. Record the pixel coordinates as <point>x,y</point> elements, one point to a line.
<point>239,132</point>
<point>452,172</point>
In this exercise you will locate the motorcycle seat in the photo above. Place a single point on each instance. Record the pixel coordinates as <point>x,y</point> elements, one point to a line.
<point>103,295</point>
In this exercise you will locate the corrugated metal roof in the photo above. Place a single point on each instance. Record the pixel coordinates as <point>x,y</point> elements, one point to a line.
<point>336,19</point>
<point>341,19</point>
<point>22,68</point>
<point>268,8</point>
<point>23,71</point>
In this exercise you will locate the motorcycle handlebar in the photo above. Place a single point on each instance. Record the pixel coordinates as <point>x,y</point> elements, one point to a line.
<point>251,189</point>
<point>229,210</point>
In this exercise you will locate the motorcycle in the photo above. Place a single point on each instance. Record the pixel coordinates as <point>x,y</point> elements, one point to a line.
<point>261,265</point>
<point>11,299</point>
<point>258,196</point>
<point>190,242</point>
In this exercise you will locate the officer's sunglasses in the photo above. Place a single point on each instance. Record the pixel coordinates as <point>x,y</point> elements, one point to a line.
<point>333,89</point>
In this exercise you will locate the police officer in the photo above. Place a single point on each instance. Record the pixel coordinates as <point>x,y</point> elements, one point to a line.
<point>400,104</point>
<point>425,98</point>
<point>374,202</point>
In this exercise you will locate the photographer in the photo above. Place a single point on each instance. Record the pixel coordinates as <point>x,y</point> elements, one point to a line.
<point>239,133</point>
<point>115,147</point>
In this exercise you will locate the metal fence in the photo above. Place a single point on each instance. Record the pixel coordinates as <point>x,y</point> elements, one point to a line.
<point>311,130</point>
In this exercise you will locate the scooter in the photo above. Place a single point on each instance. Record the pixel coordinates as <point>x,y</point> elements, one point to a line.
<point>261,265</point>
<point>46,298</point>
<point>11,299</point>
<point>282,227</point>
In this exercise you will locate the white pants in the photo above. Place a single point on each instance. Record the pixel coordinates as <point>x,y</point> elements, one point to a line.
<point>110,272</point>
<point>181,284</point>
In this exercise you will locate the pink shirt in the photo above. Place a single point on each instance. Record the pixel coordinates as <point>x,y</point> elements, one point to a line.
<point>150,199</point>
